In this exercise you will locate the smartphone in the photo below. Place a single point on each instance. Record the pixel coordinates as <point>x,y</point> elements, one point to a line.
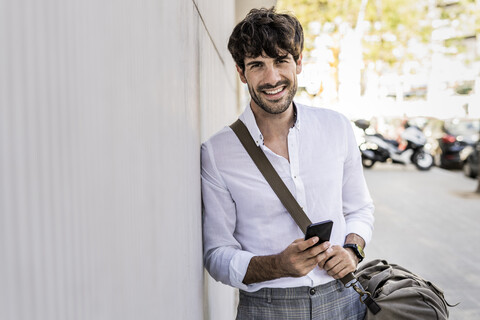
<point>321,229</point>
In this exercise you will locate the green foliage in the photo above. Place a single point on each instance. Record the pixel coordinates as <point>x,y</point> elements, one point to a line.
<point>391,23</point>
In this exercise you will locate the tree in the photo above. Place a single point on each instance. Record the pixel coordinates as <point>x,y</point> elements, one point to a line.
<point>388,25</point>
<point>391,27</point>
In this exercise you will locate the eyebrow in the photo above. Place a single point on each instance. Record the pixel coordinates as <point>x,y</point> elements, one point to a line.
<point>258,61</point>
<point>253,62</point>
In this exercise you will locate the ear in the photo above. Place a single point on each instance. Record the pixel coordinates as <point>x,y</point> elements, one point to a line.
<point>299,63</point>
<point>241,73</point>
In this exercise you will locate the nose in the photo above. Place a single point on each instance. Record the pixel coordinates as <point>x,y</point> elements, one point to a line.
<point>272,75</point>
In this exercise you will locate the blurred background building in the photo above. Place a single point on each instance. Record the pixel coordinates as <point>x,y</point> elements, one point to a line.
<point>103,106</point>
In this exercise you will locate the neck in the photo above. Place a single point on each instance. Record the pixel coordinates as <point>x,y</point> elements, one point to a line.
<point>274,126</point>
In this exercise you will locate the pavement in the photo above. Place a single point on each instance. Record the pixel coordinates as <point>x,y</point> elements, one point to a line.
<point>429,222</point>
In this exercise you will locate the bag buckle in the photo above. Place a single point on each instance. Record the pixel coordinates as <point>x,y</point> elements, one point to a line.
<point>364,296</point>
<point>362,293</point>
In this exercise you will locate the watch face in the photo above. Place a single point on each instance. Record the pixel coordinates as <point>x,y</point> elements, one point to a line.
<point>360,250</point>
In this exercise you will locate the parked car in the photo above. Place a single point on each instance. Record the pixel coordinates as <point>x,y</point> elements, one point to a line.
<point>447,138</point>
<point>472,161</point>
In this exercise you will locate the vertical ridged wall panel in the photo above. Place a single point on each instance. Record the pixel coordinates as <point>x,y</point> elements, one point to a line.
<point>101,117</point>
<point>218,105</point>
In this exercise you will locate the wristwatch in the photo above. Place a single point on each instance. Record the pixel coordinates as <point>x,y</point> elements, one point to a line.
<point>358,250</point>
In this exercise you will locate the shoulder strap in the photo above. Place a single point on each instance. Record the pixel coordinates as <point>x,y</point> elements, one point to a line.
<point>272,177</point>
<point>289,201</point>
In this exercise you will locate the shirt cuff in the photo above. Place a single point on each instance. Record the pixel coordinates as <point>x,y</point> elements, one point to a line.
<point>363,230</point>
<point>238,268</point>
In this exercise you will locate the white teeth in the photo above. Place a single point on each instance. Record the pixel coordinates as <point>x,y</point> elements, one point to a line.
<point>274,91</point>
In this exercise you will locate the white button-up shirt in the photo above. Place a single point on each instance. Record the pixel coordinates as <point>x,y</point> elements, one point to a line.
<point>243,217</point>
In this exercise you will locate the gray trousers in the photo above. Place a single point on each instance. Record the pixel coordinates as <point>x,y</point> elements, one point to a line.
<point>330,301</point>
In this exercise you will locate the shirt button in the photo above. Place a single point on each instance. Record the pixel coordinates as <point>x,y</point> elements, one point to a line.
<point>312,291</point>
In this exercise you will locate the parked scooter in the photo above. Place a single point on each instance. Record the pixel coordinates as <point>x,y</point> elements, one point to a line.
<point>377,148</point>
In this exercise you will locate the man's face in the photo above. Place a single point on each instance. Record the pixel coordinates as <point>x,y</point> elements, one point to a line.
<point>272,82</point>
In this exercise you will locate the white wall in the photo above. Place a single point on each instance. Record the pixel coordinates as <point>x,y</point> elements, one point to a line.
<point>218,103</point>
<point>103,106</point>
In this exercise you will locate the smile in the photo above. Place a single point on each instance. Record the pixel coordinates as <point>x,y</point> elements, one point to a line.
<point>273,92</point>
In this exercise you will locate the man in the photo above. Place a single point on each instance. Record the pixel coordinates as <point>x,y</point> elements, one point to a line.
<point>250,240</point>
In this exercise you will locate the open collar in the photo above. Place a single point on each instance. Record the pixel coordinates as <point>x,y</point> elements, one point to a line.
<point>249,119</point>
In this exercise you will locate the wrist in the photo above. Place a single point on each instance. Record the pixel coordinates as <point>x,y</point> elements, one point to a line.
<point>263,268</point>
<point>353,255</point>
<point>279,266</point>
<point>356,250</point>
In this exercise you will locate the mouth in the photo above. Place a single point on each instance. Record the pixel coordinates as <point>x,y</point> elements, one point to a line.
<point>274,93</point>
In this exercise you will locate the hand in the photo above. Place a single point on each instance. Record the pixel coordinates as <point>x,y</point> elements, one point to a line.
<point>338,262</point>
<point>299,258</point>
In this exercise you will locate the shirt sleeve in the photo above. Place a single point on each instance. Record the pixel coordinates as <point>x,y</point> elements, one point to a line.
<point>223,256</point>
<point>357,204</point>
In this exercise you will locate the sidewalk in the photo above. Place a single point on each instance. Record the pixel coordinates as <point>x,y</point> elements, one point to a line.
<point>429,222</point>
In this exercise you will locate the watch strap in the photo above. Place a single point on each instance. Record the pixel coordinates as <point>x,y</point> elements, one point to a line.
<point>356,249</point>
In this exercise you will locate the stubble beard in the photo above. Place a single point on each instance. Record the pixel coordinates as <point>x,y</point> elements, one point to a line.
<point>274,106</point>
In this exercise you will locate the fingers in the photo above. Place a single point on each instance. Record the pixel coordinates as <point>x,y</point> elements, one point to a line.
<point>307,251</point>
<point>335,260</point>
<point>300,257</point>
<point>327,255</point>
<point>338,262</point>
<point>305,244</point>
<point>317,254</point>
<point>338,270</point>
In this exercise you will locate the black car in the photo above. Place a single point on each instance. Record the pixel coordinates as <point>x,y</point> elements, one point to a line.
<point>447,138</point>
<point>472,163</point>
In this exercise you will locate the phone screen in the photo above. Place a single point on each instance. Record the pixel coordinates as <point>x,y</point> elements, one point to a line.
<point>321,229</point>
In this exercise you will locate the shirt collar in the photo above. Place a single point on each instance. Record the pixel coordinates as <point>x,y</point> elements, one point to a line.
<point>297,107</point>
<point>249,119</point>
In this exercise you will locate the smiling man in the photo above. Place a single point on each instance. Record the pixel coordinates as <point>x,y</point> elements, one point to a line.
<point>281,71</point>
<point>250,240</point>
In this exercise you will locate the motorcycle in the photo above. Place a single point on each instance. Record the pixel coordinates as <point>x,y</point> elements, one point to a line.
<point>377,148</point>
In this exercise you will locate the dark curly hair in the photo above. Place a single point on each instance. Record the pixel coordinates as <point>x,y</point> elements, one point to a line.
<point>264,30</point>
